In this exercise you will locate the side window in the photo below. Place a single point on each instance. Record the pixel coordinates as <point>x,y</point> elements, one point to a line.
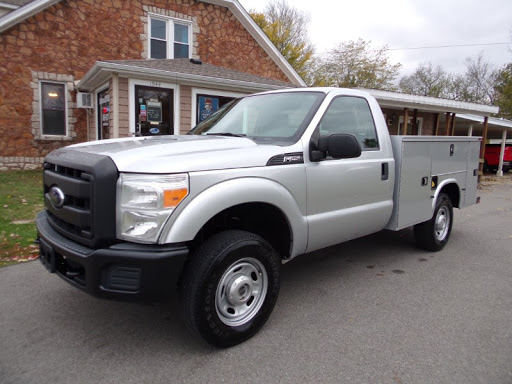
<point>347,114</point>
<point>53,109</point>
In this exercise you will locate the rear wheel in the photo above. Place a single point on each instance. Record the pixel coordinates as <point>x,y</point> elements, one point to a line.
<point>230,287</point>
<point>433,235</point>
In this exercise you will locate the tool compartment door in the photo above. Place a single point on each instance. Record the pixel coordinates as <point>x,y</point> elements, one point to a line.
<point>413,200</point>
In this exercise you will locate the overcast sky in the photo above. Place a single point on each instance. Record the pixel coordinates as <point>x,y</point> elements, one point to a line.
<point>411,24</point>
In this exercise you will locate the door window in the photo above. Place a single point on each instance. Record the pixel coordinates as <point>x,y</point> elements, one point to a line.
<point>153,111</point>
<point>350,115</point>
<point>103,114</point>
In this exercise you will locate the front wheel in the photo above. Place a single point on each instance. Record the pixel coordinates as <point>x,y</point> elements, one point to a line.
<point>433,235</point>
<point>230,287</point>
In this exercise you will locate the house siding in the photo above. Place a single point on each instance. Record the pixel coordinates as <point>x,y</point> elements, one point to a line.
<point>66,39</point>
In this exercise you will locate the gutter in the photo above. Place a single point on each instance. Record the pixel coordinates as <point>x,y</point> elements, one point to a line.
<point>21,13</point>
<point>8,6</point>
<point>168,76</point>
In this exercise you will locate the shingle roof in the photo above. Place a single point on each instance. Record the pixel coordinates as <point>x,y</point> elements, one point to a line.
<point>186,66</point>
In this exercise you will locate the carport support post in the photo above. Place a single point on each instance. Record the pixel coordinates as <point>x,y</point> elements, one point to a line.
<point>406,121</point>
<point>447,124</point>
<point>415,123</point>
<point>482,148</point>
<point>437,118</point>
<point>502,153</point>
<point>452,128</point>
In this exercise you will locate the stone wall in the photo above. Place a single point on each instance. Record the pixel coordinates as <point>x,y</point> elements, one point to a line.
<point>66,39</point>
<point>20,163</point>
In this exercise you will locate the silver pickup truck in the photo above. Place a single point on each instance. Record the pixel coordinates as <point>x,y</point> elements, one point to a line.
<point>216,212</point>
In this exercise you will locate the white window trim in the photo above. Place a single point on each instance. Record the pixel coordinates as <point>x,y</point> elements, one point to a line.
<point>150,83</point>
<point>401,123</point>
<point>43,136</point>
<point>210,92</point>
<point>170,21</point>
<point>96,117</point>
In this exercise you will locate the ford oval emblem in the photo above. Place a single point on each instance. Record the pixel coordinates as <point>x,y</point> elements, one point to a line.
<point>56,196</point>
<point>154,131</point>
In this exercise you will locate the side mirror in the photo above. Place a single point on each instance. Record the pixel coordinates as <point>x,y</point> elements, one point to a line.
<point>338,146</point>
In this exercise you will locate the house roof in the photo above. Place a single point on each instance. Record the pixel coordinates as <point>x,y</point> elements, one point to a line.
<point>183,70</point>
<point>33,7</point>
<point>492,121</point>
<point>430,104</point>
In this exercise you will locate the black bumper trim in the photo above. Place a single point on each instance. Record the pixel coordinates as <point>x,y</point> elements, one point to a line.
<point>153,270</point>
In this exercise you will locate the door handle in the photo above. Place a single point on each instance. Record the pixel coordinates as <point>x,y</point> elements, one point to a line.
<point>384,171</point>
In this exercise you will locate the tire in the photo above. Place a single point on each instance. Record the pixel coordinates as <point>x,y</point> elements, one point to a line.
<point>433,235</point>
<point>230,287</point>
<point>486,167</point>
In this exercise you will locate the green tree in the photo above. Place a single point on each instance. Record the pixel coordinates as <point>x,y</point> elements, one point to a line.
<point>356,64</point>
<point>481,77</point>
<point>504,91</point>
<point>287,29</point>
<point>426,80</point>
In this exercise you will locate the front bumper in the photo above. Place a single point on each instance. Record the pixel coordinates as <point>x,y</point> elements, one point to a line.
<point>124,271</point>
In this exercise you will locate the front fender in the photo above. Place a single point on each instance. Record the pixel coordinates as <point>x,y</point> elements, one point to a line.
<point>219,197</point>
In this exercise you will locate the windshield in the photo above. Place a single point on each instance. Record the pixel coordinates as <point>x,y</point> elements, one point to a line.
<point>275,117</point>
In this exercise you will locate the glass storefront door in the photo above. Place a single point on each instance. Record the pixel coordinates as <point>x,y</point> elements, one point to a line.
<point>103,115</point>
<point>153,111</point>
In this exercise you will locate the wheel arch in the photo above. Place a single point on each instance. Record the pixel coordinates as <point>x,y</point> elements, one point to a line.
<point>271,208</point>
<point>451,188</point>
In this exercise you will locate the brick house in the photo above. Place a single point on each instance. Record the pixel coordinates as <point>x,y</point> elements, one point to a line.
<point>73,71</point>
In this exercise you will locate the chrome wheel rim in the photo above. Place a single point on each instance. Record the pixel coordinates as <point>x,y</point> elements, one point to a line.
<point>442,223</point>
<point>241,292</point>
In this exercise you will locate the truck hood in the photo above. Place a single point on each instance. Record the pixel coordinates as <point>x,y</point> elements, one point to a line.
<point>175,154</point>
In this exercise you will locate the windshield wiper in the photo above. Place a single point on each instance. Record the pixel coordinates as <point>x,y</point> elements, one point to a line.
<point>226,134</point>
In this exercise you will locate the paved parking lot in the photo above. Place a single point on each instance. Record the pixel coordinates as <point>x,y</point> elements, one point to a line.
<point>374,310</point>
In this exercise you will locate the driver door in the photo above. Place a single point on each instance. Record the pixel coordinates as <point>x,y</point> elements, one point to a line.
<point>348,198</point>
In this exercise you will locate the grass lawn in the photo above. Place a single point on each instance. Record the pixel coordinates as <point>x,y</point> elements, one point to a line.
<point>21,198</point>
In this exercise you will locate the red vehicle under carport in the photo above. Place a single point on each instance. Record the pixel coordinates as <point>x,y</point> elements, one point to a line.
<point>492,158</point>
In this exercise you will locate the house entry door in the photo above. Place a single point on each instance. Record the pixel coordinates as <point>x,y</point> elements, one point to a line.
<point>103,115</point>
<point>153,111</point>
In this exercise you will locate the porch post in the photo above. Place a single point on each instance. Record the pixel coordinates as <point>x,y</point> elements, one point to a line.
<point>502,152</point>
<point>436,129</point>
<point>447,124</point>
<point>115,105</point>
<point>482,147</point>
<point>415,122</point>
<point>452,128</point>
<point>470,130</point>
<point>406,121</point>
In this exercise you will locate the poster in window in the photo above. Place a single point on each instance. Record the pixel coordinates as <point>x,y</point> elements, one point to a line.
<point>207,106</point>
<point>154,111</point>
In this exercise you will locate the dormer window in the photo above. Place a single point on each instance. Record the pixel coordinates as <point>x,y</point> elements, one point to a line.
<point>169,38</point>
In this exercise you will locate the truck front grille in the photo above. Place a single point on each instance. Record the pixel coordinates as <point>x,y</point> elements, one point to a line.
<point>74,217</point>
<point>84,209</point>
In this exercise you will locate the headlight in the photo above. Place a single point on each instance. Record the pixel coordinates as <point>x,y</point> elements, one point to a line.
<point>145,202</point>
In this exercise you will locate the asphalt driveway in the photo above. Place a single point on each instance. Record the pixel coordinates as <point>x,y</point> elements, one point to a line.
<point>374,310</point>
